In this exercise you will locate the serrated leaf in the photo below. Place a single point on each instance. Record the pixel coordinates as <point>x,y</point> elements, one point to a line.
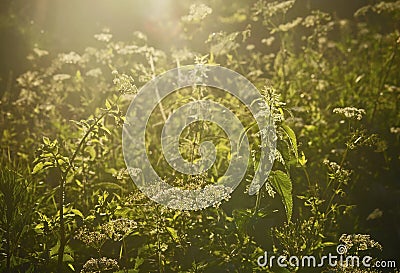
<point>292,138</point>
<point>283,185</point>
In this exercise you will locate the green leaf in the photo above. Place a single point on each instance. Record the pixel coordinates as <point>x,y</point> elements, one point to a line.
<point>108,104</point>
<point>77,212</point>
<point>92,152</point>
<point>40,166</point>
<point>292,138</point>
<point>173,233</point>
<point>283,185</point>
<point>54,249</point>
<point>302,159</point>
<point>327,244</point>
<point>78,75</point>
<point>71,266</point>
<point>105,130</point>
<point>46,140</point>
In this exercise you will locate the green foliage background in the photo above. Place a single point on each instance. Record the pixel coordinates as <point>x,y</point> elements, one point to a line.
<point>330,76</point>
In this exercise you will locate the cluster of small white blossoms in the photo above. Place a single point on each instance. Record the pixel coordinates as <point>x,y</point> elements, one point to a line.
<point>103,37</point>
<point>197,13</point>
<point>119,228</point>
<point>115,230</point>
<point>350,112</point>
<point>360,241</point>
<point>70,58</point>
<point>395,130</point>
<point>93,239</point>
<point>270,190</point>
<point>337,172</point>
<point>198,199</point>
<point>103,264</point>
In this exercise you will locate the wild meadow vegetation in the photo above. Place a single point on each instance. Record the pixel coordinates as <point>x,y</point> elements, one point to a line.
<point>332,84</point>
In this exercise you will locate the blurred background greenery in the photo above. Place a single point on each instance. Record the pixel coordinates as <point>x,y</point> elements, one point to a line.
<point>59,26</point>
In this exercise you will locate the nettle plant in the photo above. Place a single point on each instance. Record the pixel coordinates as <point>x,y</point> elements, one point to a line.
<point>86,166</point>
<point>329,110</point>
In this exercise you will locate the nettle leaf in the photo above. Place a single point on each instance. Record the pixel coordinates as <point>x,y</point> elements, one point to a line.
<point>38,167</point>
<point>172,232</point>
<point>292,138</point>
<point>92,152</point>
<point>46,140</point>
<point>283,185</point>
<point>41,166</point>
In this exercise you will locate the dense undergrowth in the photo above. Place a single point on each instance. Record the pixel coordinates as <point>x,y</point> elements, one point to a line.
<point>332,84</point>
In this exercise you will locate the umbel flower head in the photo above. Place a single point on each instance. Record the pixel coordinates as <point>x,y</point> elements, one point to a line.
<point>350,112</point>
<point>103,264</point>
<point>359,241</point>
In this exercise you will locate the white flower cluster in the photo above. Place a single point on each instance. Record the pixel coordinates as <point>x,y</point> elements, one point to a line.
<point>70,58</point>
<point>197,13</point>
<point>395,130</point>
<point>115,230</point>
<point>177,198</point>
<point>270,190</point>
<point>103,264</point>
<point>360,241</point>
<point>337,172</point>
<point>93,239</point>
<point>103,37</point>
<point>119,228</point>
<point>350,112</point>
<point>269,9</point>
